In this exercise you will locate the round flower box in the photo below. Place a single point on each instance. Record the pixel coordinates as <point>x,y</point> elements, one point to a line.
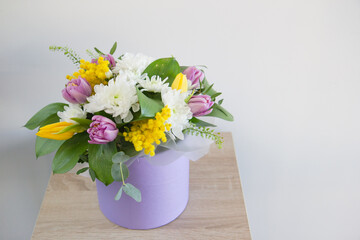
<point>164,190</point>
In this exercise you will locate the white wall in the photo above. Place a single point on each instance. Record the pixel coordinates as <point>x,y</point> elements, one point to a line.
<point>289,72</point>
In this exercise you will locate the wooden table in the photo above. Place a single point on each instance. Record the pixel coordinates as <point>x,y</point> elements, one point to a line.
<point>215,210</point>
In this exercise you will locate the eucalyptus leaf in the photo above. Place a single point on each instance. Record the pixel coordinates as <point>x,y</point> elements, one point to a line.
<point>118,195</point>
<point>43,114</point>
<point>165,68</point>
<point>100,160</point>
<point>119,172</point>
<point>220,112</point>
<point>132,191</point>
<point>120,157</point>
<point>69,152</point>
<point>82,170</point>
<point>113,49</point>
<point>149,107</point>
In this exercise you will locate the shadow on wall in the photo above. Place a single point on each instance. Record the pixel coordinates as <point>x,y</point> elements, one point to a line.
<point>23,180</point>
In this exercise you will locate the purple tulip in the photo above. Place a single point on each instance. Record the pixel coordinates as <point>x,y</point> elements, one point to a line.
<point>107,57</point>
<point>102,130</point>
<point>77,90</point>
<point>200,105</point>
<point>194,75</point>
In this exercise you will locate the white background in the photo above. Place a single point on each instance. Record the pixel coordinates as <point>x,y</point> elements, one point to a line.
<point>289,72</point>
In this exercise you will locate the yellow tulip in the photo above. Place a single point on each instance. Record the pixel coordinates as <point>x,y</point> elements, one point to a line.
<point>180,83</point>
<point>51,131</point>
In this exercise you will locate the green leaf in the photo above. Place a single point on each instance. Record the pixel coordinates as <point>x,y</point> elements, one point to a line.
<point>120,157</point>
<point>43,114</point>
<point>68,154</point>
<point>83,122</point>
<point>116,170</point>
<point>92,174</point>
<point>215,95</point>
<point>82,170</point>
<point>74,127</point>
<point>113,49</point>
<point>200,123</point>
<point>118,195</point>
<point>220,101</point>
<point>220,112</point>
<point>44,146</point>
<point>209,90</point>
<point>149,107</point>
<point>165,68</point>
<point>100,160</point>
<point>98,51</point>
<point>132,191</point>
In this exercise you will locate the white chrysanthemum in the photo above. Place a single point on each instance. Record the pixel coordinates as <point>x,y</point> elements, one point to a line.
<point>153,84</point>
<point>116,98</point>
<point>71,111</point>
<point>180,111</point>
<point>132,63</point>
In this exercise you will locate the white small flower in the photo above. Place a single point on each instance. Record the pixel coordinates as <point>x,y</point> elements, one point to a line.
<point>116,98</point>
<point>180,111</point>
<point>153,84</point>
<point>71,111</point>
<point>132,63</point>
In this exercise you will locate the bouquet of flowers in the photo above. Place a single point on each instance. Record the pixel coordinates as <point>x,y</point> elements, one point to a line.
<point>122,108</point>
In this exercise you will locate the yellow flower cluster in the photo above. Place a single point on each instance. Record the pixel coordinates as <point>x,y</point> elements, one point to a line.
<point>92,72</point>
<point>143,134</point>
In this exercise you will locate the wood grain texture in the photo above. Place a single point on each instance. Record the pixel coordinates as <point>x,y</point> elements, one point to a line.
<point>215,210</point>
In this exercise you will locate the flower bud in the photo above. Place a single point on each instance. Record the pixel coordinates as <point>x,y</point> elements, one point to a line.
<point>194,75</point>
<point>200,105</point>
<point>51,131</point>
<point>102,130</point>
<point>77,90</point>
<point>180,83</point>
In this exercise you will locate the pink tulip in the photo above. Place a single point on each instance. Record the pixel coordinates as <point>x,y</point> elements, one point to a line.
<point>194,75</point>
<point>102,130</point>
<point>77,90</point>
<point>200,105</point>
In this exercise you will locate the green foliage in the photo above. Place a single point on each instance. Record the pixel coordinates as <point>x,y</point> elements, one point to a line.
<point>44,146</point>
<point>68,154</point>
<point>82,170</point>
<point>118,195</point>
<point>92,174</point>
<point>113,49</point>
<point>83,122</point>
<point>220,112</point>
<point>120,157</point>
<point>149,107</point>
<point>68,52</point>
<point>41,116</point>
<point>100,160</point>
<point>119,172</point>
<point>200,123</point>
<point>91,54</point>
<point>165,68</point>
<point>205,132</point>
<point>132,191</point>
<point>98,51</point>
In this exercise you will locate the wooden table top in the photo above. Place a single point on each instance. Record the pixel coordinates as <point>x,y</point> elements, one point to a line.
<point>215,210</point>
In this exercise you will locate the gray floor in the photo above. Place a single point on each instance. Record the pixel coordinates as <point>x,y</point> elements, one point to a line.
<point>23,181</point>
